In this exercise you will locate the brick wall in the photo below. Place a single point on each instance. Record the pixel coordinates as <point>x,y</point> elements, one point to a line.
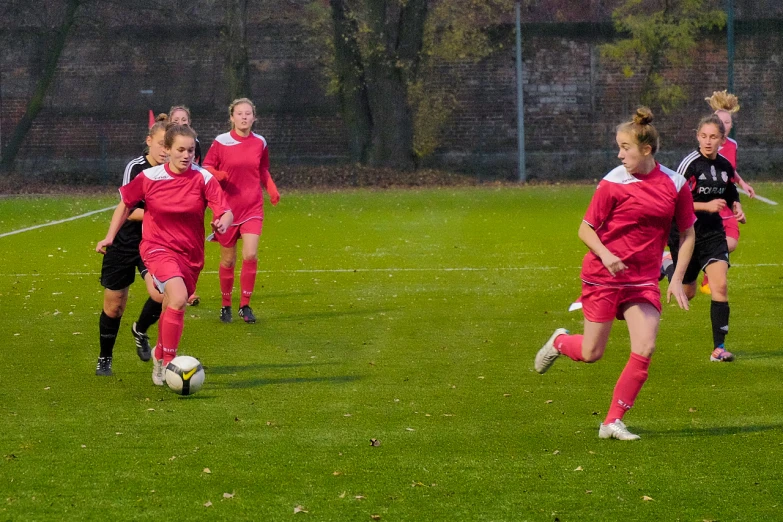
<point>95,117</point>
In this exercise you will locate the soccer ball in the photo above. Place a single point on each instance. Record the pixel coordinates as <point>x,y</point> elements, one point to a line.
<point>185,375</point>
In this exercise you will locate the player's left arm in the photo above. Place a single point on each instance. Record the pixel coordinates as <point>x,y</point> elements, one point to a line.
<point>744,185</point>
<point>266,178</point>
<point>216,200</point>
<point>117,219</point>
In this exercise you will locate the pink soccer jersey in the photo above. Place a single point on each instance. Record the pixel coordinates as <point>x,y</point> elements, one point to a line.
<point>632,217</point>
<point>729,151</point>
<point>175,204</point>
<point>246,160</point>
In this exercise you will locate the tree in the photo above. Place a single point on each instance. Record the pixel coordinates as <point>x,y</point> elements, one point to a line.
<point>661,33</point>
<point>382,58</point>
<point>53,52</point>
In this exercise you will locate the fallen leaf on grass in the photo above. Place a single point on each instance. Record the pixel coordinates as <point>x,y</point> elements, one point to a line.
<point>48,388</point>
<point>300,509</point>
<point>550,401</point>
<point>691,410</point>
<point>375,442</point>
<point>207,471</point>
<point>506,395</point>
<point>409,429</point>
<point>646,498</point>
<point>228,495</point>
<point>150,409</point>
<point>418,484</point>
<point>579,468</point>
<point>346,415</point>
<point>84,445</point>
<point>359,497</point>
<point>375,517</point>
<point>336,473</point>
<point>341,495</point>
<point>208,504</point>
<point>588,491</point>
<point>556,452</point>
<point>172,458</point>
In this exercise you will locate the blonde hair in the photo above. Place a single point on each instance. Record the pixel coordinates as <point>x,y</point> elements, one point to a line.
<point>176,108</point>
<point>640,127</point>
<point>723,101</point>
<point>236,102</point>
<point>161,120</point>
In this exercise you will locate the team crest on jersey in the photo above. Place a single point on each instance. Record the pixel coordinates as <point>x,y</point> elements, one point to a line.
<point>724,176</point>
<point>714,173</point>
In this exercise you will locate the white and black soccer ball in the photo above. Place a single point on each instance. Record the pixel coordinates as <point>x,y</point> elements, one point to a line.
<point>185,375</point>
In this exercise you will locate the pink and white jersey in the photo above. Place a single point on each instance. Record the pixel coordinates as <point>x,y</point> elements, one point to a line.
<point>632,216</point>
<point>246,160</point>
<point>729,151</point>
<point>175,205</point>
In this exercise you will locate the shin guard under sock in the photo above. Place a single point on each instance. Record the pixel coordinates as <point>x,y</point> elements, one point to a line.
<point>108,328</point>
<point>247,280</point>
<point>172,323</point>
<point>226,284</point>
<point>628,386</point>
<point>150,313</point>
<point>719,315</point>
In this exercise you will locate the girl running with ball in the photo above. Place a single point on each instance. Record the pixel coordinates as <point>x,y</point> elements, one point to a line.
<point>625,229</point>
<point>176,195</point>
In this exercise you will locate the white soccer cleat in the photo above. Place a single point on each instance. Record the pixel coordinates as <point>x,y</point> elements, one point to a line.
<point>616,430</point>
<point>158,372</point>
<point>548,353</point>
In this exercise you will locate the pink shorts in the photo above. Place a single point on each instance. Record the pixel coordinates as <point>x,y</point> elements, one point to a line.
<point>601,304</point>
<point>731,226</point>
<point>234,232</point>
<point>164,265</point>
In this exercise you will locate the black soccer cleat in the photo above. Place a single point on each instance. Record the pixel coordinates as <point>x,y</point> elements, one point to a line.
<point>103,368</point>
<point>225,314</point>
<point>246,313</point>
<point>143,349</point>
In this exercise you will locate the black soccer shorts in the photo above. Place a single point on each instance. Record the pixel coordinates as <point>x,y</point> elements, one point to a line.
<point>118,270</point>
<point>705,252</point>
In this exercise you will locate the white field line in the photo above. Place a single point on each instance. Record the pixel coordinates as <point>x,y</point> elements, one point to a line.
<point>50,223</point>
<point>381,270</point>
<point>760,198</point>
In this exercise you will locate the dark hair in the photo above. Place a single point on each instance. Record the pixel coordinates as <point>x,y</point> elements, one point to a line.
<point>160,124</point>
<point>173,130</point>
<point>642,130</point>
<point>712,119</point>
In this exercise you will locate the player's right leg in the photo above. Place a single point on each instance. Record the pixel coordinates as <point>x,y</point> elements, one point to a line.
<point>228,259</point>
<point>117,274</point>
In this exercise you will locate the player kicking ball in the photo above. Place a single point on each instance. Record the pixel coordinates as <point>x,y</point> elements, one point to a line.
<point>625,228</point>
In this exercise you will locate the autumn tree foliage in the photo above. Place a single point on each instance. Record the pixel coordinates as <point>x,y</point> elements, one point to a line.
<point>659,34</point>
<point>384,63</point>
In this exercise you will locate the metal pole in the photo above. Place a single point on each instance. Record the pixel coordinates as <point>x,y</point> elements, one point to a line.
<point>520,104</point>
<point>730,44</point>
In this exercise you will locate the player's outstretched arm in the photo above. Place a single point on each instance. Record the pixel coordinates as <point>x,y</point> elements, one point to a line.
<point>588,236</point>
<point>744,185</point>
<point>118,218</point>
<point>687,242</point>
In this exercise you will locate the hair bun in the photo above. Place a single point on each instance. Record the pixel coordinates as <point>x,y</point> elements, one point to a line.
<point>643,116</point>
<point>162,117</point>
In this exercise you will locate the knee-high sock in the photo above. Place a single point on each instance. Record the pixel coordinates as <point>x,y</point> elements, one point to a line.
<point>570,346</point>
<point>150,313</point>
<point>158,350</point>
<point>108,328</point>
<point>719,314</point>
<point>226,284</point>
<point>172,323</point>
<point>247,280</point>
<point>628,386</point>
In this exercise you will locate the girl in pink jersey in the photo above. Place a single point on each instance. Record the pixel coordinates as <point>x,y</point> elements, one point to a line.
<point>725,105</point>
<point>242,159</point>
<point>625,228</point>
<point>172,246</point>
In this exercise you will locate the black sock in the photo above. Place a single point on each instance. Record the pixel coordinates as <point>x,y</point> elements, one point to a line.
<point>719,314</point>
<point>150,313</point>
<point>108,328</point>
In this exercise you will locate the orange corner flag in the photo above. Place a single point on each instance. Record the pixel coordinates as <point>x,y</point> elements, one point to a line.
<point>152,118</point>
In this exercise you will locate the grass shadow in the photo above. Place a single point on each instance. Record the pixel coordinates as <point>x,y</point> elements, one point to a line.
<point>714,431</point>
<point>229,370</point>
<point>261,381</point>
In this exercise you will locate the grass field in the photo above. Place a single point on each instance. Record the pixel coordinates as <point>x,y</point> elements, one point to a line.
<point>407,316</point>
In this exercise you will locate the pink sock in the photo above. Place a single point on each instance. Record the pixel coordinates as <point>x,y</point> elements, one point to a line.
<point>158,350</point>
<point>570,346</point>
<point>172,323</point>
<point>247,280</point>
<point>226,284</point>
<point>628,386</point>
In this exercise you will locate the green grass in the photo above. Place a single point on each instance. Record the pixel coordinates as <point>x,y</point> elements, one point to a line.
<point>411,317</point>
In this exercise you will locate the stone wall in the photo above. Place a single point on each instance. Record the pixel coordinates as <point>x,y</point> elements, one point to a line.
<point>95,117</point>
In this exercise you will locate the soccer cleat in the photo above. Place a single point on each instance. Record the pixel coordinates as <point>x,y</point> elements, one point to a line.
<point>616,430</point>
<point>194,300</point>
<point>548,353</point>
<point>225,314</point>
<point>246,313</point>
<point>143,349</point>
<point>158,372</point>
<point>103,368</point>
<point>721,355</point>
